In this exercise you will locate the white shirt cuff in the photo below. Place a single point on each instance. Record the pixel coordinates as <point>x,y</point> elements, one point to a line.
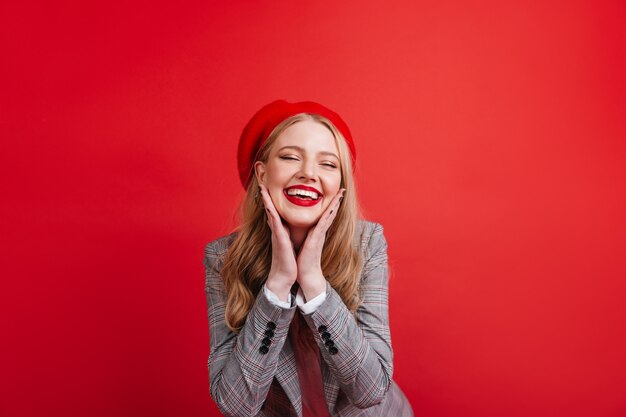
<point>273,298</point>
<point>311,305</point>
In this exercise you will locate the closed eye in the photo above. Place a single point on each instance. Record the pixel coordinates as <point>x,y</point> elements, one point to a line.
<point>331,165</point>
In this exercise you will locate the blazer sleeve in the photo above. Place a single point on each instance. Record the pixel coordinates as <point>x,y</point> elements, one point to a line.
<point>242,366</point>
<point>357,348</point>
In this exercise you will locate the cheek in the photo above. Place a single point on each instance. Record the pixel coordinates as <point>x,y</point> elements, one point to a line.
<point>278,178</point>
<point>333,181</point>
<point>273,183</point>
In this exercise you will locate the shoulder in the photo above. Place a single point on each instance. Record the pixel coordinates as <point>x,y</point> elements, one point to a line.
<point>371,237</point>
<point>369,228</point>
<point>217,248</point>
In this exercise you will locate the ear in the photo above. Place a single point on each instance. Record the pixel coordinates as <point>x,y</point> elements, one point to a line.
<point>259,171</point>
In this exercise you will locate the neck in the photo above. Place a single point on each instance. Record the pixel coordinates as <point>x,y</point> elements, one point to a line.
<point>298,235</point>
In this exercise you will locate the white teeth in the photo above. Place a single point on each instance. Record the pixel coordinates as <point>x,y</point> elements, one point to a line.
<point>297,191</point>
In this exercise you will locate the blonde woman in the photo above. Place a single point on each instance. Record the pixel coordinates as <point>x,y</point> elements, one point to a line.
<point>297,294</point>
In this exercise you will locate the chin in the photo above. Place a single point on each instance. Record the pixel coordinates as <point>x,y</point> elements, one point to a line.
<point>301,221</point>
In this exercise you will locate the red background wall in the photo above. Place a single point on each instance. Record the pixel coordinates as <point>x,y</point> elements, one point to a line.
<point>491,147</point>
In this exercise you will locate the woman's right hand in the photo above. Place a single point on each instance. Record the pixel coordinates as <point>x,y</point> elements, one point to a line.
<point>284,269</point>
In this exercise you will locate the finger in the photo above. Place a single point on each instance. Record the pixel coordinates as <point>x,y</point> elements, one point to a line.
<point>332,213</point>
<point>319,232</point>
<point>267,211</point>
<point>276,224</point>
<point>333,207</point>
<point>267,202</point>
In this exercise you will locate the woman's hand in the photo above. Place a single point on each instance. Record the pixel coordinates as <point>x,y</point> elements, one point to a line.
<point>284,270</point>
<point>309,261</point>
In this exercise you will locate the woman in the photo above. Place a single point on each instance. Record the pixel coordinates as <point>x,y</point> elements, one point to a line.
<point>297,295</point>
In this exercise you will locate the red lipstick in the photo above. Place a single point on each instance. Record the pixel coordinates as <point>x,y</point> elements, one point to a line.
<point>300,201</point>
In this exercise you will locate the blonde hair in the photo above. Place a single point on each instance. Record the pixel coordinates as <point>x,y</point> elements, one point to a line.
<point>248,260</point>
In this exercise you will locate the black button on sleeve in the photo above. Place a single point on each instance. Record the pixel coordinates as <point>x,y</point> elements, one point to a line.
<point>269,333</point>
<point>264,349</point>
<point>266,341</point>
<point>329,343</point>
<point>271,325</point>
<point>325,335</point>
<point>332,350</point>
<point>322,328</point>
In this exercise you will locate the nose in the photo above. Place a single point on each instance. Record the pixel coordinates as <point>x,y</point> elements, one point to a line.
<point>308,170</point>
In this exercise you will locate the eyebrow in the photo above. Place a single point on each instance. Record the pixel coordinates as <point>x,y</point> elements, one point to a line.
<point>302,150</point>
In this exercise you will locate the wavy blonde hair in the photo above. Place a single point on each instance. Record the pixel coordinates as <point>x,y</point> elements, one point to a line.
<point>248,260</point>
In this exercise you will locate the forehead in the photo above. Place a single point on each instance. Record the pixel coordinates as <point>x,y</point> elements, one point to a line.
<point>310,135</point>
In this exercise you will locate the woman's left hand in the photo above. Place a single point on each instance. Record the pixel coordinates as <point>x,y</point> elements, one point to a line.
<point>310,276</point>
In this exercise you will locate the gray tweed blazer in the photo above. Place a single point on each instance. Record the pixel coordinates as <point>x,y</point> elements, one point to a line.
<point>253,373</point>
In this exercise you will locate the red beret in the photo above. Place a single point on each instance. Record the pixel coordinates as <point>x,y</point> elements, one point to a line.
<point>265,120</point>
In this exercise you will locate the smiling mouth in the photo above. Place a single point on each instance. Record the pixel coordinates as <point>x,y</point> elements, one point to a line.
<point>303,194</point>
<point>303,199</point>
